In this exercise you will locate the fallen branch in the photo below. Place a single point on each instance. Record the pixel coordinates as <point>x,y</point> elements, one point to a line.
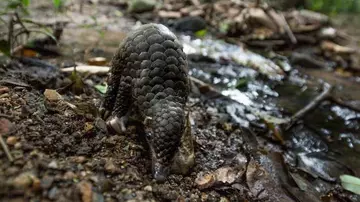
<point>325,94</point>
<point>288,30</point>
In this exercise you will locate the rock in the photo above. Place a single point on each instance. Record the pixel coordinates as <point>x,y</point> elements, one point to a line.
<point>11,171</point>
<point>101,125</point>
<point>5,126</point>
<point>17,145</point>
<point>190,23</point>
<point>78,159</point>
<point>52,95</point>
<point>11,140</point>
<point>24,180</point>
<point>53,164</point>
<point>224,199</point>
<point>105,185</point>
<point>47,181</point>
<point>4,89</point>
<point>240,161</point>
<point>69,175</point>
<point>52,194</point>
<point>85,190</point>
<point>139,6</point>
<point>148,188</point>
<point>110,166</point>
<point>89,82</point>
<point>96,197</point>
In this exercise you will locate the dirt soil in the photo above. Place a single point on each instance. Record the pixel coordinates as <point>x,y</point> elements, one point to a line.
<point>63,151</point>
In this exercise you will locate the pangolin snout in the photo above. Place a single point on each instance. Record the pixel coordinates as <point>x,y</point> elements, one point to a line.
<point>160,172</point>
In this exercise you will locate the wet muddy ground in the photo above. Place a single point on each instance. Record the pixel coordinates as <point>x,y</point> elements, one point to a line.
<point>63,152</point>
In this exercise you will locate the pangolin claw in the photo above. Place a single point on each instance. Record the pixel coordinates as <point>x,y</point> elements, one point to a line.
<point>118,124</point>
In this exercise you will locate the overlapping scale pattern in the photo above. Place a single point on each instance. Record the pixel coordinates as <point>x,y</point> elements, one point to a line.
<point>150,70</point>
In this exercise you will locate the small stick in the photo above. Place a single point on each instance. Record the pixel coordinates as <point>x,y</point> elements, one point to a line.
<point>311,106</point>
<point>6,149</point>
<point>18,20</point>
<point>11,29</point>
<point>288,30</point>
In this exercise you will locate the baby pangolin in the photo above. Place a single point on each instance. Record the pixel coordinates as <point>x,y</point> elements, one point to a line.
<point>149,79</point>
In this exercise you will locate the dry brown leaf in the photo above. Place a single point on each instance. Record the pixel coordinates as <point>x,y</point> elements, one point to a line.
<point>206,180</point>
<point>226,175</point>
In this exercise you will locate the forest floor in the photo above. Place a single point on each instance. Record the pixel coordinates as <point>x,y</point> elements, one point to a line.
<point>60,150</point>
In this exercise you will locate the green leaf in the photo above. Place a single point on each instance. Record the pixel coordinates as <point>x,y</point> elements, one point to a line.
<point>101,88</point>
<point>350,183</point>
<point>201,33</point>
<point>13,4</point>
<point>5,47</point>
<point>25,3</point>
<point>241,83</point>
<point>57,4</point>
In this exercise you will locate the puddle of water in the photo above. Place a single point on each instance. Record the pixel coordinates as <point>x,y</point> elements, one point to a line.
<point>330,132</point>
<point>221,51</point>
<point>339,125</point>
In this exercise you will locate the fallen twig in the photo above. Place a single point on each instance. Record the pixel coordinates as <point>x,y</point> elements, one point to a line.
<point>288,30</point>
<point>325,94</point>
<point>6,149</point>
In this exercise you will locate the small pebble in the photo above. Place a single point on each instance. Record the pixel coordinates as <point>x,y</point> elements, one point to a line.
<point>97,197</point>
<point>47,181</point>
<point>11,140</point>
<point>148,188</point>
<point>53,164</point>
<point>110,167</point>
<point>17,145</point>
<point>25,180</point>
<point>4,89</point>
<point>5,126</point>
<point>36,184</point>
<point>69,175</point>
<point>53,193</point>
<point>52,95</point>
<point>78,159</point>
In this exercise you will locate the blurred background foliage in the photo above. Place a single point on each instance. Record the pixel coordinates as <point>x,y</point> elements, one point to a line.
<point>330,7</point>
<point>334,6</point>
<point>325,6</point>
